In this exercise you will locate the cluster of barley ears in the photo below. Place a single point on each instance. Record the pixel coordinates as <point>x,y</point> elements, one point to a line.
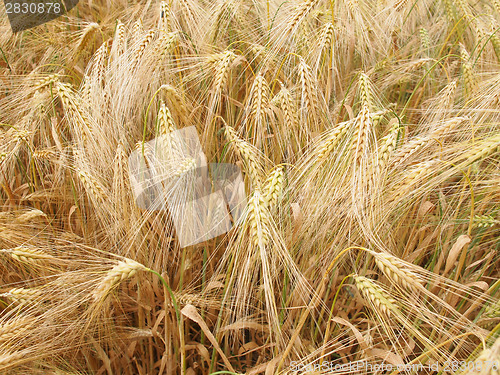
<point>368,137</point>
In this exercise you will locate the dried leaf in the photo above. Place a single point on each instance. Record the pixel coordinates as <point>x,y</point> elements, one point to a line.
<point>455,252</point>
<point>190,312</point>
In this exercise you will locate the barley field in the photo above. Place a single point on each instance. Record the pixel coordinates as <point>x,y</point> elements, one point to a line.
<point>366,237</point>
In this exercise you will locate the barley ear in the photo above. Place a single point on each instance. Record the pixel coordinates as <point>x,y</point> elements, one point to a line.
<point>373,293</point>
<point>125,269</point>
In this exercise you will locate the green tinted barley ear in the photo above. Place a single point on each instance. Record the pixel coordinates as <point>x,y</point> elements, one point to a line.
<point>492,310</point>
<point>463,7</point>
<point>425,40</point>
<point>376,296</point>
<point>125,269</point>
<point>494,37</point>
<point>485,221</point>
<point>3,156</point>
<point>450,12</point>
